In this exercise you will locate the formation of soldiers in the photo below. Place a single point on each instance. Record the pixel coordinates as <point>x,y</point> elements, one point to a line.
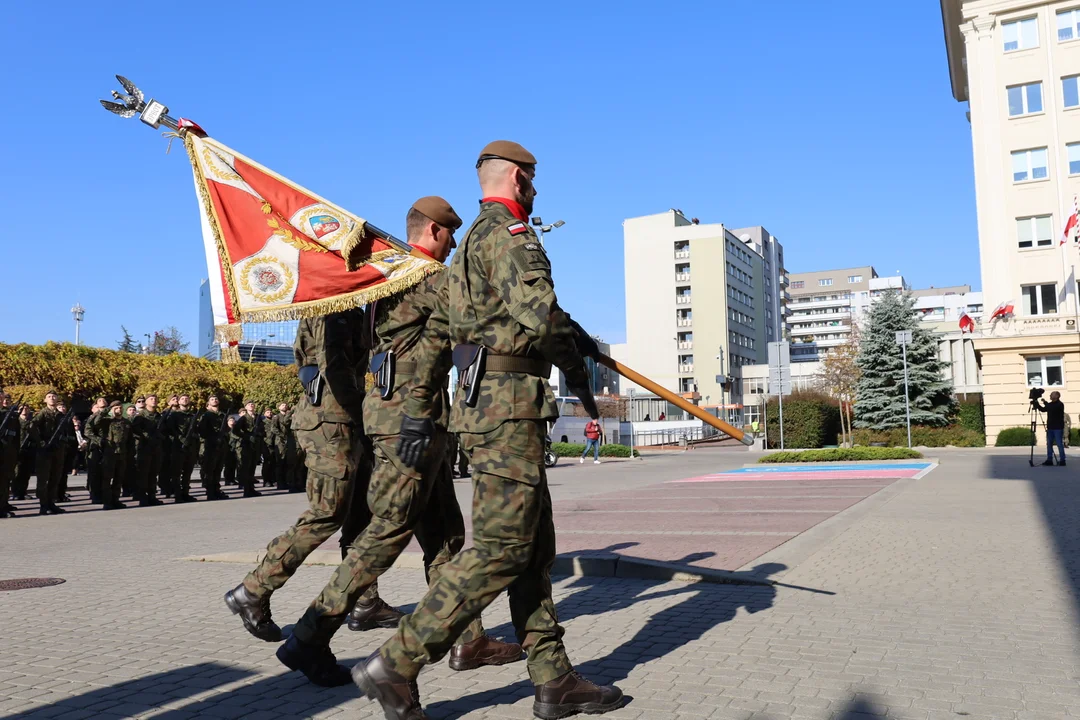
<point>379,463</point>
<point>140,452</point>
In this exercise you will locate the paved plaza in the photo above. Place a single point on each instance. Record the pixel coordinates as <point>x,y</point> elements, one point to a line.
<point>945,594</point>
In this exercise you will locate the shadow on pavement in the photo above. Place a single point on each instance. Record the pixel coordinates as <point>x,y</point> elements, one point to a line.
<point>703,607</point>
<point>859,709</point>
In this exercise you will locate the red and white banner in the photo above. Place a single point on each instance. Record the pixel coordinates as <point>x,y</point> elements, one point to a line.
<point>967,324</point>
<point>276,251</point>
<point>1003,311</point>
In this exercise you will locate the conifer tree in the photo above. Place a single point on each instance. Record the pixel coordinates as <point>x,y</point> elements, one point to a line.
<point>880,395</point>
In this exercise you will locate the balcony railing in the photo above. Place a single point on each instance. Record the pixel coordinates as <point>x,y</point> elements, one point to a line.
<point>827,330</point>
<point>686,345</point>
<point>684,322</point>
<point>682,254</point>
<point>683,368</point>
<point>682,277</point>
<point>682,299</point>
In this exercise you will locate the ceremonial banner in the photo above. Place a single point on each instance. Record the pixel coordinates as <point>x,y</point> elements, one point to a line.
<point>276,251</point>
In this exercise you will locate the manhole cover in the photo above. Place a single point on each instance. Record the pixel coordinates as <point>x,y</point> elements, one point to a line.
<point>27,583</point>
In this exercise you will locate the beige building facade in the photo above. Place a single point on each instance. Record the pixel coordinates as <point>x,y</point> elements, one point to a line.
<point>1017,65</point>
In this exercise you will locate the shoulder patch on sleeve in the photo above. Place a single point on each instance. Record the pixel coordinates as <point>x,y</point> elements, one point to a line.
<point>518,228</point>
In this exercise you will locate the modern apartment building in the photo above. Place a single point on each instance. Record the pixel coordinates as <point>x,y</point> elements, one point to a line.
<point>822,309</point>
<point>701,300</point>
<point>1017,65</point>
<point>262,342</point>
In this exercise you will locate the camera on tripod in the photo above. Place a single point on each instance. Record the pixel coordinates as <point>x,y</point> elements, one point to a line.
<point>1034,395</point>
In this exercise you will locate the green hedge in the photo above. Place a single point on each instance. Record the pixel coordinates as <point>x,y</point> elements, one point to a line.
<point>1021,437</point>
<point>811,420</point>
<point>575,450</point>
<point>841,455</point>
<point>922,436</point>
<point>970,415</point>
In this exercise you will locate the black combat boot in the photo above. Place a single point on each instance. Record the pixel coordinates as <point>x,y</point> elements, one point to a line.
<point>399,698</point>
<point>483,650</point>
<point>376,615</point>
<point>255,612</point>
<point>316,662</point>
<point>571,694</point>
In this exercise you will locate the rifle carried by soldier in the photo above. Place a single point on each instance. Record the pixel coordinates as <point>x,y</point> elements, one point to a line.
<point>192,424</point>
<point>59,426</point>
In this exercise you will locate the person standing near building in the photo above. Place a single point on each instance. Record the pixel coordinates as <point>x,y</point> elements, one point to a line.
<point>1055,426</point>
<point>592,441</point>
<point>46,436</point>
<point>506,328</point>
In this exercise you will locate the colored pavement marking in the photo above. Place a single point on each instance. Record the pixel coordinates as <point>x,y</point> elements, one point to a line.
<point>855,471</point>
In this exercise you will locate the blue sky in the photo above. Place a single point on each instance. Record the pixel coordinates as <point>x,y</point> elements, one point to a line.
<point>835,130</point>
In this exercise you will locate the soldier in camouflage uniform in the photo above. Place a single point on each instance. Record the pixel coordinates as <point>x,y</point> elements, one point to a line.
<point>402,500</point>
<point>116,431</point>
<point>168,473</point>
<point>27,454</point>
<point>146,428</point>
<point>244,442</point>
<point>331,352</point>
<point>70,444</point>
<point>265,450</point>
<point>209,431</point>
<point>94,434</point>
<point>500,297</point>
<point>183,431</point>
<point>10,439</point>
<point>129,477</point>
<point>48,443</point>
<point>282,429</point>
<point>228,462</point>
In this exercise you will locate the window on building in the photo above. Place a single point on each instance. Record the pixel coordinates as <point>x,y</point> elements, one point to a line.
<point>798,284</point>
<point>824,282</point>
<point>1025,99</point>
<point>1021,34</point>
<point>1074,158</point>
<point>1040,299</point>
<point>1070,92</point>
<point>1033,232</point>
<point>854,278</point>
<point>1068,24</point>
<point>1045,371</point>
<point>1029,165</point>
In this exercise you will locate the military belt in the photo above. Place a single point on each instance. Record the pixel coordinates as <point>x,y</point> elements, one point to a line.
<point>517,364</point>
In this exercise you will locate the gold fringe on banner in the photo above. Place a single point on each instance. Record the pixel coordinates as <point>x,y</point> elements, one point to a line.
<point>230,354</point>
<point>228,333</point>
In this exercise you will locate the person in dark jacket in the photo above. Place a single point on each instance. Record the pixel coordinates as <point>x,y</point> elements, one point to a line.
<point>1055,427</point>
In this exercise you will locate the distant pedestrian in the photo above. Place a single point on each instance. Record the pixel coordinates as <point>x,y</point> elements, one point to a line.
<point>592,440</point>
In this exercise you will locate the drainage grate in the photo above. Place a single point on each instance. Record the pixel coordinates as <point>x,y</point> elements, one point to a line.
<point>27,583</point>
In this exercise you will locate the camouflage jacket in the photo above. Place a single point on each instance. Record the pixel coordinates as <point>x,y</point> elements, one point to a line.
<point>12,432</point>
<point>399,326</point>
<point>146,427</point>
<point>117,432</point>
<point>242,431</point>
<point>338,344</point>
<point>209,428</point>
<point>282,429</point>
<point>96,428</point>
<point>178,423</point>
<point>42,427</point>
<point>500,294</point>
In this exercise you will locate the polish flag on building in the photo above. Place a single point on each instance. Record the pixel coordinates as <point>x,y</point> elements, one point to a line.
<point>967,324</point>
<point>1071,223</point>
<point>276,251</point>
<point>1003,311</point>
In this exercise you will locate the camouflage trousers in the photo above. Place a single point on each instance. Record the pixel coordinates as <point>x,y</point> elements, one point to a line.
<point>336,465</point>
<point>210,466</point>
<point>403,501</point>
<point>49,470</point>
<point>147,469</point>
<point>185,457</point>
<point>9,461</point>
<point>113,467</point>
<point>513,549</point>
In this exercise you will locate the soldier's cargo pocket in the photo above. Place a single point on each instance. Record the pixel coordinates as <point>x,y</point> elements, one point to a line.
<point>514,450</point>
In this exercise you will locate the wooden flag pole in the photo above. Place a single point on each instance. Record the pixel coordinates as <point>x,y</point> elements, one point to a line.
<point>675,400</point>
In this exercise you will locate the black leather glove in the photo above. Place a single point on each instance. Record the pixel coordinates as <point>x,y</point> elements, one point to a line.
<point>415,438</point>
<point>585,344</point>
<point>588,402</point>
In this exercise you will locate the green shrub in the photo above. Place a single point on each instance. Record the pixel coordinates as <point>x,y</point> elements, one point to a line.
<point>1014,437</point>
<point>811,420</point>
<point>922,436</point>
<point>575,450</point>
<point>970,415</point>
<point>841,455</point>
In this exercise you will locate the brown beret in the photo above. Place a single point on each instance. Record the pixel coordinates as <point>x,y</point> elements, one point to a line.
<point>506,150</point>
<point>438,210</point>
<point>115,403</point>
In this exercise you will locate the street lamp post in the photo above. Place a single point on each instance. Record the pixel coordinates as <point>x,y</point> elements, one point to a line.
<point>722,380</point>
<point>542,229</point>
<point>902,339</point>
<point>264,341</point>
<point>78,312</point>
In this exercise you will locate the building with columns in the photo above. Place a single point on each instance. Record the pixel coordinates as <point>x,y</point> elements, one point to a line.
<point>1016,63</point>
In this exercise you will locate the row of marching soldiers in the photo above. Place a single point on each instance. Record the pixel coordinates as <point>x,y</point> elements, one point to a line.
<point>141,452</point>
